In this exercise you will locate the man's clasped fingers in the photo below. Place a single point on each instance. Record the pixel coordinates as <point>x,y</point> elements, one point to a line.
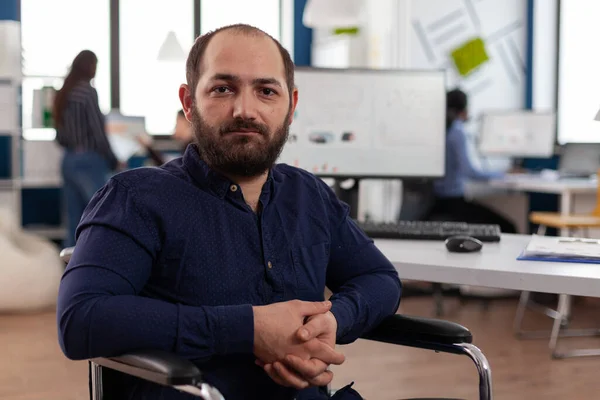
<point>299,373</point>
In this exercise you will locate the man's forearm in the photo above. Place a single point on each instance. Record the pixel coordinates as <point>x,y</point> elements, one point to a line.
<point>363,302</point>
<point>93,324</point>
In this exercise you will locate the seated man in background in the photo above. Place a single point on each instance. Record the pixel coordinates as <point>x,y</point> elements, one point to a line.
<point>449,191</point>
<point>223,256</point>
<point>182,134</point>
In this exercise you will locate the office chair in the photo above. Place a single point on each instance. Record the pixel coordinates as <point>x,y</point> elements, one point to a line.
<point>168,369</point>
<point>572,223</point>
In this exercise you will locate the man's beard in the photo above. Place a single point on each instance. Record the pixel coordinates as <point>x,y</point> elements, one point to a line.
<point>243,156</point>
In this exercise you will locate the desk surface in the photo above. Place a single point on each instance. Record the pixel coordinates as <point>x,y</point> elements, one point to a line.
<point>536,183</point>
<point>495,266</point>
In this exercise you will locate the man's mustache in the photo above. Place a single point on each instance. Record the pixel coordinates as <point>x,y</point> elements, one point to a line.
<point>244,125</point>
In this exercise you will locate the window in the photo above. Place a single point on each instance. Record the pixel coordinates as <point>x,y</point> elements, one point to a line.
<point>53,33</point>
<point>154,43</point>
<point>217,13</point>
<point>578,76</point>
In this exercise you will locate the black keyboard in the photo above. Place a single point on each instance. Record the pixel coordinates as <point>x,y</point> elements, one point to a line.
<point>430,230</point>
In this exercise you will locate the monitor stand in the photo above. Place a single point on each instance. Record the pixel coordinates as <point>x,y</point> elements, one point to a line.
<point>348,195</point>
<point>518,163</point>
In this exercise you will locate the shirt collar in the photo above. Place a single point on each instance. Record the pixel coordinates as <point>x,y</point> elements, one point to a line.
<point>458,124</point>
<point>220,185</point>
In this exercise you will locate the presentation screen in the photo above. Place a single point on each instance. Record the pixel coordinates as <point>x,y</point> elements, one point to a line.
<point>578,72</point>
<point>368,123</point>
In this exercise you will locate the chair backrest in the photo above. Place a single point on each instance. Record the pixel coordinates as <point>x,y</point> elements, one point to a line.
<point>596,211</point>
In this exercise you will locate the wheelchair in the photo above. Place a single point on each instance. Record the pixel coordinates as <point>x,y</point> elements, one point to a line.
<point>170,370</point>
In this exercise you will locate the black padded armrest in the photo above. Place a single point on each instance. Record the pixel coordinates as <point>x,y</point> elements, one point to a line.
<point>419,332</point>
<point>156,366</point>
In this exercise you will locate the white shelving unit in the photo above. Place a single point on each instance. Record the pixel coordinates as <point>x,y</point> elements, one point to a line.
<point>10,133</point>
<point>31,165</point>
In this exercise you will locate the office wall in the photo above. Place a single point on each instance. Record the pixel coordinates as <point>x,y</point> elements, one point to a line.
<point>439,27</point>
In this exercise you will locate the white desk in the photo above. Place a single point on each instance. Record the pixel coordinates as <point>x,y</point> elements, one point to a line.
<point>495,266</point>
<point>567,189</point>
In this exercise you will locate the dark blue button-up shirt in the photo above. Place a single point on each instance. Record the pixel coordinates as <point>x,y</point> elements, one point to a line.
<point>173,258</point>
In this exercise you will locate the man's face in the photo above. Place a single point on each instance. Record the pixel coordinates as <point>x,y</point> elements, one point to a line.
<point>241,110</point>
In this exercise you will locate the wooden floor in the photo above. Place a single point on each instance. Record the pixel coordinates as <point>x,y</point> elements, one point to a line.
<point>32,366</point>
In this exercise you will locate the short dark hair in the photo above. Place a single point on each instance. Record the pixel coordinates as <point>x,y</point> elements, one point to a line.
<point>456,100</point>
<point>456,103</point>
<point>194,59</point>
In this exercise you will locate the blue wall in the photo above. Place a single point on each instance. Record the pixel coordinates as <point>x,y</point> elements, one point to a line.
<point>10,9</point>
<point>537,201</point>
<point>529,57</point>
<point>5,157</point>
<point>302,36</point>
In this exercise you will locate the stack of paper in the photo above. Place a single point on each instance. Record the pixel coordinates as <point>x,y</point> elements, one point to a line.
<point>562,249</point>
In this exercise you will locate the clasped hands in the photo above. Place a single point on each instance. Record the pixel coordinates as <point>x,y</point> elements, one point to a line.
<point>294,342</point>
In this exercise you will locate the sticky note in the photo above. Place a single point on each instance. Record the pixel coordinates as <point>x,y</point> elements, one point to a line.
<point>469,56</point>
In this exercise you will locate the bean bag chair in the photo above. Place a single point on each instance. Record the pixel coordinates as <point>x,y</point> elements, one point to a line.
<point>30,268</point>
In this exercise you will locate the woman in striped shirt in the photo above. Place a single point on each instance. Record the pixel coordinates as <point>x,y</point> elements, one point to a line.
<point>88,158</point>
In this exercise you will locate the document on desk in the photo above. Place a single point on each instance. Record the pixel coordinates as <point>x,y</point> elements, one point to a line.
<point>562,249</point>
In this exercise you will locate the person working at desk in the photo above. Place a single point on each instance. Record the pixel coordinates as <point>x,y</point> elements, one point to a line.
<point>88,158</point>
<point>182,134</point>
<point>221,255</point>
<point>450,190</point>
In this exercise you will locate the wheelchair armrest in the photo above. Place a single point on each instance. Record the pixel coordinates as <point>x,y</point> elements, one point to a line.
<point>156,366</point>
<point>66,253</point>
<point>434,334</point>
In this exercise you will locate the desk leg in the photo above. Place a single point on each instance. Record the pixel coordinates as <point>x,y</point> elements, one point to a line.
<point>566,205</point>
<point>564,305</point>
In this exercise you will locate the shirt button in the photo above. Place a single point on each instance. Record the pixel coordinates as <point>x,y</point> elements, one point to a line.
<point>233,188</point>
<point>269,265</point>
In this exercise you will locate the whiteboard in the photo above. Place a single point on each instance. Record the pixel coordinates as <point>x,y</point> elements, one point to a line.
<point>518,133</point>
<point>368,123</point>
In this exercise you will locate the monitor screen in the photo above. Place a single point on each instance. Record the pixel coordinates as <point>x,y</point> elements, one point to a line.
<point>579,158</point>
<point>122,132</point>
<point>518,133</point>
<point>368,123</point>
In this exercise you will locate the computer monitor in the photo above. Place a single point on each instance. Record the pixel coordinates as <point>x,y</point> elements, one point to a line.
<point>518,133</point>
<point>579,159</point>
<point>122,131</point>
<point>361,123</point>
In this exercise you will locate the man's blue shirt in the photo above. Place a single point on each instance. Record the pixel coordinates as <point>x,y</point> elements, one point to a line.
<point>459,167</point>
<point>173,258</point>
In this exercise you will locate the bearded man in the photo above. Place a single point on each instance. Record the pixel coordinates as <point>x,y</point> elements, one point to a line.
<point>222,256</point>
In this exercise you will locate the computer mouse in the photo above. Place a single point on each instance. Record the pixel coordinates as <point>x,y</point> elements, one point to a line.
<point>463,244</point>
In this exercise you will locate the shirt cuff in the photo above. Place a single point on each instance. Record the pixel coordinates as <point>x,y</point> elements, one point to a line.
<point>235,329</point>
<point>343,317</point>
